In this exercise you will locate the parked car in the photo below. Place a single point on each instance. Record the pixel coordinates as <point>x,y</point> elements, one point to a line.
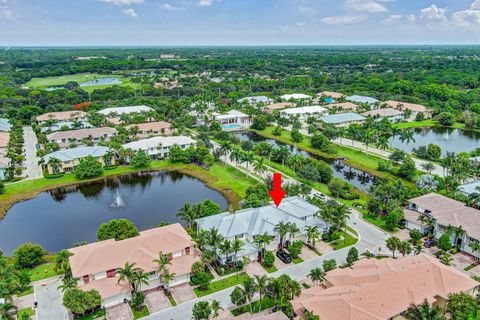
<point>285,257</point>
<point>430,243</point>
<point>319,195</point>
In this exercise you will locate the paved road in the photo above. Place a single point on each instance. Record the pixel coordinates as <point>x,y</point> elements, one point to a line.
<point>32,168</point>
<point>370,238</point>
<point>50,305</point>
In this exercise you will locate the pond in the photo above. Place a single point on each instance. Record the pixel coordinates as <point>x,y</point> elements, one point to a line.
<point>357,178</point>
<point>452,140</point>
<point>95,82</point>
<point>58,218</point>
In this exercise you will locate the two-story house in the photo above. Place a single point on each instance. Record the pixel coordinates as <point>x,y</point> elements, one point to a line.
<point>159,147</point>
<point>96,264</point>
<point>247,223</point>
<point>65,160</point>
<point>462,223</point>
<point>95,135</point>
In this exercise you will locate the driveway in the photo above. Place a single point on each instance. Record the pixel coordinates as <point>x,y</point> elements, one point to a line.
<point>182,293</point>
<point>50,302</point>
<point>32,169</point>
<point>156,300</point>
<point>120,312</point>
<point>254,268</point>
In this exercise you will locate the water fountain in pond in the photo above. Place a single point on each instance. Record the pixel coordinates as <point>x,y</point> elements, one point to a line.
<point>118,202</point>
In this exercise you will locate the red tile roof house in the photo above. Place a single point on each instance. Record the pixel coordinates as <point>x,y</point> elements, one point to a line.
<point>444,212</point>
<point>95,264</point>
<point>62,116</point>
<point>150,129</point>
<point>65,138</point>
<point>415,108</point>
<point>375,289</point>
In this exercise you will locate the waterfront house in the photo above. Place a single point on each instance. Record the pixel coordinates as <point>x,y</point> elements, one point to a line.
<point>393,115</point>
<point>149,129</point>
<point>247,223</point>
<point>95,135</point>
<point>255,100</point>
<point>68,159</point>
<point>159,147</point>
<point>295,96</point>
<point>5,125</point>
<point>445,213</point>
<point>124,110</point>
<point>233,119</point>
<point>343,119</point>
<point>96,264</point>
<point>362,99</point>
<point>415,108</point>
<point>374,289</point>
<point>329,96</point>
<point>303,113</point>
<point>62,116</point>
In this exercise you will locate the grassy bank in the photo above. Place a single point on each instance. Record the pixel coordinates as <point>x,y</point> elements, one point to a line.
<point>221,177</point>
<point>431,123</point>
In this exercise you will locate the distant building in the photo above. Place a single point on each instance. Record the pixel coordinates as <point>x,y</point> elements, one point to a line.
<point>5,125</point>
<point>159,147</point>
<point>70,158</point>
<point>65,138</point>
<point>277,106</point>
<point>96,264</point>
<point>330,94</point>
<point>149,129</point>
<point>343,119</point>
<point>62,116</point>
<point>255,100</point>
<point>374,289</point>
<point>247,223</point>
<point>304,112</point>
<point>470,188</point>
<point>342,107</point>
<point>233,119</point>
<point>65,125</point>
<point>391,114</point>
<point>362,99</point>
<point>415,108</point>
<point>295,96</point>
<point>124,110</point>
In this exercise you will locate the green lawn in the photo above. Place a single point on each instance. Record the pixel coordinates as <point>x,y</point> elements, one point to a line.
<point>255,306</point>
<point>43,271</point>
<point>415,124</point>
<point>347,241</point>
<point>96,315</point>
<point>271,269</point>
<point>140,314</point>
<point>222,177</point>
<point>28,311</point>
<point>172,300</point>
<point>297,260</point>
<point>26,292</point>
<point>221,284</point>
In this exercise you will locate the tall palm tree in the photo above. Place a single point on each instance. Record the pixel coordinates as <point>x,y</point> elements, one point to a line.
<point>282,229</point>
<point>214,238</point>
<point>292,230</point>
<point>312,234</point>
<point>236,246</point>
<point>68,283</point>
<point>282,154</point>
<point>342,133</point>
<point>162,261</point>
<point>127,273</point>
<point>166,277</point>
<point>249,158</point>
<point>295,161</point>
<point>138,279</point>
<point>215,305</point>
<point>259,166</point>
<point>236,155</point>
<point>316,274</point>
<point>55,164</point>
<point>475,246</point>
<point>248,290</point>
<point>262,240</point>
<point>187,214</point>
<point>225,248</point>
<point>424,312</point>
<point>7,310</point>
<point>368,136</point>
<point>407,136</point>
<point>382,143</point>
<point>261,282</point>
<point>61,261</point>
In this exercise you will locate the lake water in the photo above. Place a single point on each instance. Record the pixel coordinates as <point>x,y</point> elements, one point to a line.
<point>96,82</point>
<point>59,218</point>
<point>452,140</point>
<point>357,178</point>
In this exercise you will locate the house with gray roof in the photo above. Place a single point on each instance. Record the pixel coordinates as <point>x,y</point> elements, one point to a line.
<point>64,161</point>
<point>5,125</point>
<point>247,223</point>
<point>343,119</point>
<point>362,99</point>
<point>159,147</point>
<point>256,99</point>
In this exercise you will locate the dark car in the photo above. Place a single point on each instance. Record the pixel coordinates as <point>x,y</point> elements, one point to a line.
<point>285,257</point>
<point>430,243</point>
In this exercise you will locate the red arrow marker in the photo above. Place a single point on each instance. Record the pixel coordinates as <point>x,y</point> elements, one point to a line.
<point>277,193</point>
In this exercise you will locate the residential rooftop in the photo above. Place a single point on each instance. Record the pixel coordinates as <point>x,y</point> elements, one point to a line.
<point>77,153</point>
<point>81,133</point>
<point>362,99</point>
<point>125,110</point>
<point>256,99</point>
<point>342,118</point>
<point>230,114</point>
<point>5,125</point>
<point>151,126</point>
<point>62,115</point>
<point>374,289</point>
<point>305,110</point>
<point>342,105</point>
<point>295,96</point>
<point>155,142</point>
<point>385,112</point>
<point>279,105</point>
<point>406,105</point>
<point>331,94</point>
<point>65,124</point>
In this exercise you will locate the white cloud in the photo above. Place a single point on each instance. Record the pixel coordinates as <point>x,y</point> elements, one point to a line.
<point>475,5</point>
<point>411,18</point>
<point>344,19</point>
<point>123,2</point>
<point>469,17</point>
<point>205,3</point>
<point>170,7</point>
<point>5,11</point>
<point>394,18</point>
<point>130,12</point>
<point>306,10</point>
<point>369,6</point>
<point>434,13</point>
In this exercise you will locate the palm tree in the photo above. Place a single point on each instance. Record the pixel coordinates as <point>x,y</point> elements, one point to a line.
<point>475,246</point>
<point>295,161</point>
<point>393,244</point>
<point>127,273</point>
<point>162,261</point>
<point>428,166</point>
<point>236,155</point>
<point>248,157</point>
<point>61,261</point>
<point>382,143</point>
<point>261,282</point>
<point>187,214</point>
<point>68,283</point>
<point>316,274</point>
<point>108,156</point>
<point>262,240</point>
<point>7,310</point>
<point>368,137</point>
<point>225,146</point>
<point>215,305</point>
<point>407,136</point>
<point>138,279</point>
<point>259,166</point>
<point>282,154</point>
<point>312,234</point>
<point>214,238</point>
<point>292,230</point>
<point>447,259</point>
<point>166,277</point>
<point>424,312</point>
<point>342,133</point>
<point>236,246</point>
<point>248,290</point>
<point>225,248</point>
<point>459,233</point>
<point>55,164</point>
<point>282,229</point>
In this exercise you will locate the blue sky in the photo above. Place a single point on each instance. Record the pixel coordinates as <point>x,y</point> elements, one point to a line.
<point>238,22</point>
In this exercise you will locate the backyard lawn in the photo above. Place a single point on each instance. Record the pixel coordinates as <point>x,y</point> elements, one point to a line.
<point>43,271</point>
<point>221,284</point>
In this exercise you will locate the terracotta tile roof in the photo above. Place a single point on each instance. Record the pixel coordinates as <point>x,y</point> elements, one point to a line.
<point>381,289</point>
<point>436,202</point>
<point>143,249</point>
<point>385,112</point>
<point>107,287</point>
<point>406,105</point>
<point>81,133</point>
<point>151,126</point>
<point>62,115</point>
<point>331,94</point>
<point>343,105</point>
<point>279,105</point>
<point>4,139</point>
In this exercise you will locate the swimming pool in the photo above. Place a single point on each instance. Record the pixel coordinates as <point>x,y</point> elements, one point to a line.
<point>232,126</point>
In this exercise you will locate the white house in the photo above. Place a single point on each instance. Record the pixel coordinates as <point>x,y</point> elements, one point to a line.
<point>256,99</point>
<point>233,119</point>
<point>125,110</point>
<point>304,112</point>
<point>393,115</point>
<point>295,96</point>
<point>343,119</point>
<point>247,223</point>
<point>362,99</point>
<point>159,147</point>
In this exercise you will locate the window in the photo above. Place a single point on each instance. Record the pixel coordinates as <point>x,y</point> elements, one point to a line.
<point>111,273</point>
<point>86,279</point>
<point>187,250</point>
<point>170,256</point>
